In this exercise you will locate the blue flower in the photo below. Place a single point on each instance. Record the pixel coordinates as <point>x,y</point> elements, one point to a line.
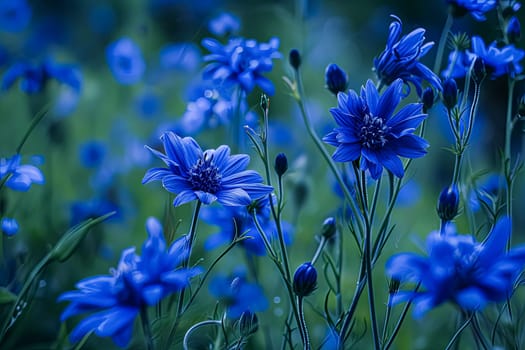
<point>15,15</point>
<point>20,176</point>
<point>237,221</point>
<point>125,61</point>
<point>224,24</point>
<point>477,8</point>
<point>9,226</point>
<point>184,57</point>
<point>400,59</point>
<point>370,131</point>
<point>138,281</point>
<point>149,104</point>
<point>459,269</point>
<point>92,153</point>
<point>241,62</point>
<point>238,294</point>
<point>209,176</point>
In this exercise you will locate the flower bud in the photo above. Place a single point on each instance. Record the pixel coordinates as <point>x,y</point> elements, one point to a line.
<point>295,59</point>
<point>513,30</point>
<point>450,93</point>
<point>479,71</point>
<point>265,102</point>
<point>448,203</point>
<point>281,164</point>
<point>248,323</point>
<point>427,99</point>
<point>9,226</point>
<point>305,280</point>
<point>329,228</point>
<point>335,78</point>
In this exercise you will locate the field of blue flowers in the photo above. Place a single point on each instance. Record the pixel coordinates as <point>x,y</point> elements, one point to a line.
<point>262,174</point>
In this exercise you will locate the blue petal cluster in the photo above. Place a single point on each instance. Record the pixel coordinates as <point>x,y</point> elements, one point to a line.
<point>498,61</point>
<point>15,15</point>
<point>459,269</point>
<point>400,59</point>
<point>476,8</point>
<point>370,131</point>
<point>209,176</point>
<point>125,61</point>
<point>21,176</point>
<point>224,24</point>
<point>237,221</point>
<point>241,62</point>
<point>138,281</point>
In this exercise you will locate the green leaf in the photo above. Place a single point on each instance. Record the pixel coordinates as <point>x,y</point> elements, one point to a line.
<point>6,296</point>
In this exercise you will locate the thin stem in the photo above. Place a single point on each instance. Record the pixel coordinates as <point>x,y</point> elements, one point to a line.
<point>478,333</point>
<point>302,324</point>
<point>507,157</point>
<point>442,42</point>
<point>319,250</point>
<point>458,332</point>
<point>371,302</point>
<point>194,327</point>
<point>146,328</point>
<point>400,321</point>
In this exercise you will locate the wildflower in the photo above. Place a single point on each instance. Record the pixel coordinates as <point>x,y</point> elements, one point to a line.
<point>209,176</point>
<point>92,153</point>
<point>93,208</point>
<point>336,79</point>
<point>241,62</point>
<point>20,176</point>
<point>400,59</point>
<point>476,8</point>
<point>9,226</point>
<point>224,24</point>
<point>15,15</point>
<point>459,269</point>
<point>238,294</point>
<point>183,57</point>
<point>448,203</point>
<point>305,280</point>
<point>138,282</point>
<point>370,131</point>
<point>125,61</point>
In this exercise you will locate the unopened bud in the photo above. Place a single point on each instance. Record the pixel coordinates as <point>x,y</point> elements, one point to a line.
<point>513,30</point>
<point>281,164</point>
<point>450,93</point>
<point>427,99</point>
<point>248,323</point>
<point>335,78</point>
<point>479,71</point>
<point>305,280</point>
<point>448,203</point>
<point>329,228</point>
<point>295,59</point>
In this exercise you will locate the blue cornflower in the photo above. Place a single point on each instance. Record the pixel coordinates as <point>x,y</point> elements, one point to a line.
<point>138,282</point>
<point>92,153</point>
<point>224,24</point>
<point>401,56</point>
<point>477,8</point>
<point>9,226</point>
<point>459,269</point>
<point>15,15</point>
<point>209,176</point>
<point>241,62</point>
<point>237,221</point>
<point>125,61</point>
<point>498,61</point>
<point>184,57</point>
<point>238,294</point>
<point>369,130</point>
<point>20,176</point>
<point>149,104</point>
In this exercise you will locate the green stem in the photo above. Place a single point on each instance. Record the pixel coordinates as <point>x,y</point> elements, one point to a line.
<point>458,332</point>
<point>507,157</point>
<point>194,327</point>
<point>146,328</point>
<point>371,301</point>
<point>302,324</point>
<point>319,249</point>
<point>478,333</point>
<point>442,42</point>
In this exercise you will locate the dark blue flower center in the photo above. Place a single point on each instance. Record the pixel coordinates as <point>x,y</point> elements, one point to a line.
<point>205,176</point>
<point>373,132</point>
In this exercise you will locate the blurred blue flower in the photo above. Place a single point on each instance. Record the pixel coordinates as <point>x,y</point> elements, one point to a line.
<point>184,57</point>
<point>369,130</point>
<point>125,61</point>
<point>498,61</point>
<point>477,8</point>
<point>237,221</point>
<point>92,153</point>
<point>15,15</point>
<point>400,59</point>
<point>241,62</point>
<point>9,226</point>
<point>19,176</point>
<point>93,208</point>
<point>212,175</point>
<point>148,104</point>
<point>138,281</point>
<point>485,191</point>
<point>459,269</point>
<point>208,111</point>
<point>238,294</point>
<point>224,24</point>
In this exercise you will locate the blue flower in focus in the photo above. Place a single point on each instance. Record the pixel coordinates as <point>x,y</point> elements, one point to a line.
<point>209,176</point>
<point>459,269</point>
<point>224,24</point>
<point>241,62</point>
<point>370,131</point>
<point>138,281</point>
<point>19,176</point>
<point>498,61</point>
<point>125,61</point>
<point>92,153</point>
<point>238,294</point>
<point>237,221</point>
<point>400,59</point>
<point>9,226</point>
<point>477,8</point>
<point>14,15</point>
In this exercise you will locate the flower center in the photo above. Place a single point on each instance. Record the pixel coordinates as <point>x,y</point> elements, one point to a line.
<point>373,132</point>
<point>205,176</point>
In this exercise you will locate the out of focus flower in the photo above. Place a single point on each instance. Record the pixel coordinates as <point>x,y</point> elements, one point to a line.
<point>369,130</point>
<point>92,153</point>
<point>238,294</point>
<point>513,30</point>
<point>485,191</point>
<point>9,226</point>
<point>335,78</point>
<point>184,57</point>
<point>93,208</point>
<point>400,59</point>
<point>209,176</point>
<point>237,221</point>
<point>224,24</point>
<point>14,15</point>
<point>148,104</point>
<point>241,62</point>
<point>476,8</point>
<point>459,269</point>
<point>138,281</point>
<point>125,61</point>
<point>19,176</point>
